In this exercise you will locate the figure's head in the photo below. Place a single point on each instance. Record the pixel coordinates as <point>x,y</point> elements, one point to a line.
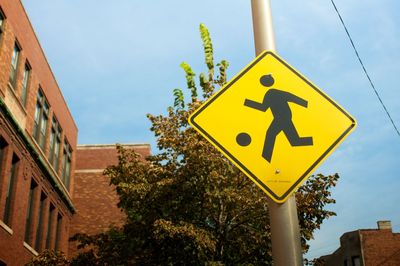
<point>267,80</point>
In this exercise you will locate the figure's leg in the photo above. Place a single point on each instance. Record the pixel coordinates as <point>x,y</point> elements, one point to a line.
<point>269,142</point>
<point>293,137</point>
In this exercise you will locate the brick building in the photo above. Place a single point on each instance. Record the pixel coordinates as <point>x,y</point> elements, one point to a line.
<point>37,145</point>
<point>367,247</point>
<point>95,200</point>
<point>38,150</point>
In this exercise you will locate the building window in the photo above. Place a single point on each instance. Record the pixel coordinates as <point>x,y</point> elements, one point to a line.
<point>2,18</point>
<point>356,261</point>
<point>41,118</point>
<point>25,81</point>
<point>14,64</point>
<point>55,141</point>
<point>39,229</point>
<point>3,146</point>
<point>66,163</point>
<point>29,213</point>
<point>58,231</point>
<point>50,226</point>
<point>10,190</point>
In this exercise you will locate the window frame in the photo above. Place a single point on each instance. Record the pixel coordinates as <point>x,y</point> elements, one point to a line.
<point>26,76</point>
<point>41,119</point>
<point>15,58</point>
<point>55,143</point>
<point>66,163</point>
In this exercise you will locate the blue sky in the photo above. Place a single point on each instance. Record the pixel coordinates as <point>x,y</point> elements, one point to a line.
<point>117,61</point>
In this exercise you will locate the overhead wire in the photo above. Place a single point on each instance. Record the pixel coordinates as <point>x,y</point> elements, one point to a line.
<point>365,70</point>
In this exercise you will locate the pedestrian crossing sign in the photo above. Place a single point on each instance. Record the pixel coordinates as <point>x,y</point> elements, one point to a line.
<point>274,124</point>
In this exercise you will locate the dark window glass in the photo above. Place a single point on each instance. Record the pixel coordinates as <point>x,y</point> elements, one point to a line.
<point>58,231</point>
<point>41,118</point>
<point>1,21</point>
<point>10,190</point>
<point>356,261</point>
<point>3,146</point>
<point>25,81</point>
<point>66,162</point>
<point>29,213</point>
<point>55,141</point>
<point>39,229</point>
<point>14,64</point>
<point>49,226</point>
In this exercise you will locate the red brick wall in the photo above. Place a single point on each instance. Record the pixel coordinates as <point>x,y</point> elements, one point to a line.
<point>95,200</point>
<point>11,243</point>
<point>381,247</point>
<point>17,27</point>
<point>13,249</point>
<point>101,156</point>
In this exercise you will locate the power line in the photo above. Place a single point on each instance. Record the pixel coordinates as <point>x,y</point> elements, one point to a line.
<point>365,70</point>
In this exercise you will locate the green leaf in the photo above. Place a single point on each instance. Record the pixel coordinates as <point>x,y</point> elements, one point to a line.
<point>179,101</point>
<point>190,79</point>
<point>207,45</point>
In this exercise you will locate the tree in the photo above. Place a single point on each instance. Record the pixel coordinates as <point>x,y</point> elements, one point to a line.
<point>49,258</point>
<point>188,204</point>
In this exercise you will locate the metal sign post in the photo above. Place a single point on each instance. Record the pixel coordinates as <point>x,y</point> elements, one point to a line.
<point>285,231</point>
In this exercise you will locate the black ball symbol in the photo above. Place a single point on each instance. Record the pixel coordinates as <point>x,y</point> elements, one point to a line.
<point>267,80</point>
<point>243,139</point>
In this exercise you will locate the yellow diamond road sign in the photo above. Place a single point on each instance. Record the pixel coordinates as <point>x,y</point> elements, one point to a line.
<point>274,124</point>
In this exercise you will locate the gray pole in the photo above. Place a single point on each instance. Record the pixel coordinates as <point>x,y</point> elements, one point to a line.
<point>286,246</point>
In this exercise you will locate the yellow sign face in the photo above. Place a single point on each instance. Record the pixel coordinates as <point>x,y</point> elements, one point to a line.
<point>273,124</point>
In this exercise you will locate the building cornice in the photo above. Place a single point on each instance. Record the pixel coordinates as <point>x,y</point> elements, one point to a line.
<point>112,146</point>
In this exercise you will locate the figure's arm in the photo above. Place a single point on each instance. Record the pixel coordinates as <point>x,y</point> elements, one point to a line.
<point>296,99</point>
<point>256,105</point>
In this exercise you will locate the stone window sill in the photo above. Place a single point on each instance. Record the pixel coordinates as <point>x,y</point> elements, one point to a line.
<point>31,249</point>
<point>6,228</point>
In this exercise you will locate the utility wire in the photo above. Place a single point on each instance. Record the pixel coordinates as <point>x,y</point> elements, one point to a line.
<point>365,70</point>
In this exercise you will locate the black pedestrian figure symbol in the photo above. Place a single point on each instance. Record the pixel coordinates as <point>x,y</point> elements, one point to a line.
<point>278,101</point>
